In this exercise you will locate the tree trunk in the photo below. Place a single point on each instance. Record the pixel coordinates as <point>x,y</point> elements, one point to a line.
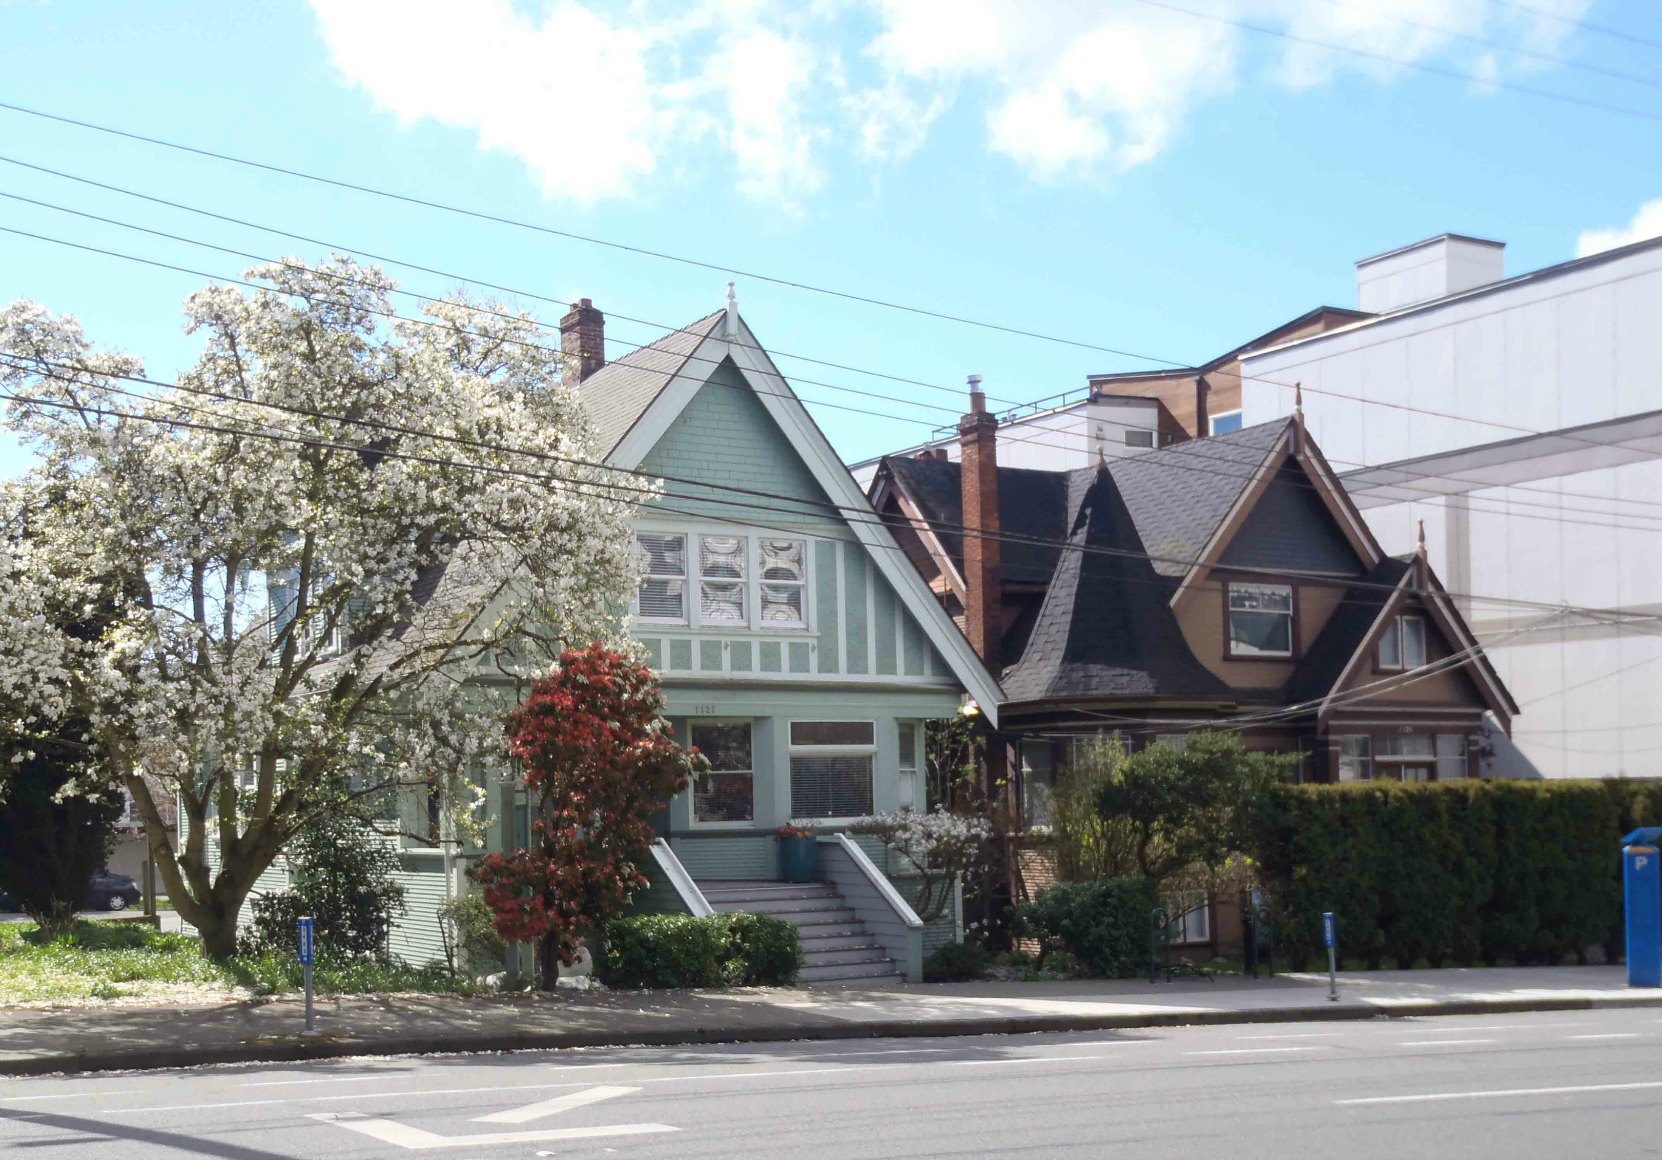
<point>548,961</point>
<point>219,937</point>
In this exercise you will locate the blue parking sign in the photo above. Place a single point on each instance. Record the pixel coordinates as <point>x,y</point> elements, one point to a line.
<point>1327,929</point>
<point>305,942</point>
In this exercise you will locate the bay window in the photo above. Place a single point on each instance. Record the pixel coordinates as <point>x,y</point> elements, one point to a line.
<point>912,789</point>
<point>1355,757</point>
<point>1260,620</point>
<point>742,582</point>
<point>1405,756</point>
<point>832,763</point>
<point>1451,756</point>
<point>726,792</point>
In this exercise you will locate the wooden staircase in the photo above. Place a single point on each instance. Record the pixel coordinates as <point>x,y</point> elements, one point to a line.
<point>836,945</point>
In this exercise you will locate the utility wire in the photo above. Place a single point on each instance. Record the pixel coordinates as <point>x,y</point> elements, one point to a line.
<point>500,220</point>
<point>1404,485</point>
<point>1586,25</point>
<point>1404,62</point>
<point>863,514</point>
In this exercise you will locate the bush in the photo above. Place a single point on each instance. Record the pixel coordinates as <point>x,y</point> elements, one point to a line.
<point>344,877</point>
<point>766,951</point>
<point>1103,925</point>
<point>955,962</point>
<point>678,950</point>
<point>1458,871</point>
<point>467,932</point>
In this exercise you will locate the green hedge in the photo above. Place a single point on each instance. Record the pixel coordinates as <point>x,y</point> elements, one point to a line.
<point>1103,925</point>
<point>1455,872</point>
<point>721,950</point>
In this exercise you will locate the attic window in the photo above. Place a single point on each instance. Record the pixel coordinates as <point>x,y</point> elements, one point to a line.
<point>1136,437</point>
<point>721,570</point>
<point>1260,620</point>
<point>1403,645</point>
<point>1225,423</point>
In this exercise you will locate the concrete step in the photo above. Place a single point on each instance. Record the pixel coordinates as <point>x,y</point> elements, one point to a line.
<point>774,892</point>
<point>779,906</point>
<point>866,954</point>
<point>866,972</point>
<point>805,912</point>
<point>841,941</point>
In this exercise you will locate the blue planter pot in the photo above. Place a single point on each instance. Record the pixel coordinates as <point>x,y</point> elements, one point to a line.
<point>798,859</point>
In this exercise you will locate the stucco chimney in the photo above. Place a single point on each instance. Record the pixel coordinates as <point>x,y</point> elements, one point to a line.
<point>583,338</point>
<point>978,439</point>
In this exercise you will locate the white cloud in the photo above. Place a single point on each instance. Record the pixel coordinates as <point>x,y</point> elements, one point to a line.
<point>1646,224</point>
<point>595,97</point>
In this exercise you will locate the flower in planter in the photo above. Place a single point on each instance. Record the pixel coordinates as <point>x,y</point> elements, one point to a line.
<point>794,830</point>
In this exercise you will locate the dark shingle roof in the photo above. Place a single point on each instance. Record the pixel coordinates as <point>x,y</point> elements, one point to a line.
<point>1030,503</point>
<point>1344,631</point>
<point>1105,628</point>
<point>1179,495</point>
<point>616,395</point>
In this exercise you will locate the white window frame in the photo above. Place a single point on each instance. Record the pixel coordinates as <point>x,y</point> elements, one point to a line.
<point>1212,421</point>
<point>693,579</point>
<point>1463,756</point>
<point>684,577</point>
<point>1139,437</point>
<point>692,791</point>
<point>1396,633</point>
<point>794,750</point>
<point>911,765</point>
<point>1251,653</point>
<point>1393,764</point>
<point>1365,757</point>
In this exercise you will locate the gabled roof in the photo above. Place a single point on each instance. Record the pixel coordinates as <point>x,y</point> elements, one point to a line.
<point>617,394</point>
<point>634,401</point>
<point>1030,503</point>
<point>1104,629</point>
<point>1346,630</point>
<point>1180,494</point>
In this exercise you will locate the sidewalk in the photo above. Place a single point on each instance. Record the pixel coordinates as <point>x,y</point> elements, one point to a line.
<point>38,1040</point>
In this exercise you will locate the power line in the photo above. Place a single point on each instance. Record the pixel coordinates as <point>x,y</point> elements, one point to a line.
<point>570,235</point>
<point>1430,493</point>
<point>360,251</point>
<point>1404,62</point>
<point>1514,50</point>
<point>861,514</point>
<point>1586,25</point>
<point>500,220</point>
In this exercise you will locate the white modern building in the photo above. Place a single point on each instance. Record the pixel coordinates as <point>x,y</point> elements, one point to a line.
<point>1520,419</point>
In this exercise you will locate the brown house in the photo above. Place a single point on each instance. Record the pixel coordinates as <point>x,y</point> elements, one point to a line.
<point>1226,582</point>
<point>1206,400</point>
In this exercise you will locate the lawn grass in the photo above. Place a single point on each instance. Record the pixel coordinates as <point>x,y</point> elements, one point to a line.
<point>115,960</point>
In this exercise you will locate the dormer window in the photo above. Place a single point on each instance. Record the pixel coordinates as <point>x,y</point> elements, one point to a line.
<point>753,583</point>
<point>1403,645</point>
<point>1260,620</point>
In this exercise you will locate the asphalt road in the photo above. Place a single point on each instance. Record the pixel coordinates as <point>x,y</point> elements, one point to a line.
<point>1582,1084</point>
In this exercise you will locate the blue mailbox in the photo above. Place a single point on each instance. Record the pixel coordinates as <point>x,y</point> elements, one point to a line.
<point>1642,889</point>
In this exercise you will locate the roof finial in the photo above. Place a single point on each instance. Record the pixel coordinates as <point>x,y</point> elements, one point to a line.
<point>732,299</point>
<point>1298,401</point>
<point>730,320</point>
<point>1419,549</point>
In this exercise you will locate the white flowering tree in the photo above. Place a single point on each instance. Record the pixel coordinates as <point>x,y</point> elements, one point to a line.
<point>939,847</point>
<point>312,541</point>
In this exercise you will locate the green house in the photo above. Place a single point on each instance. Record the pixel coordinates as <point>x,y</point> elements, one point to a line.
<point>798,647</point>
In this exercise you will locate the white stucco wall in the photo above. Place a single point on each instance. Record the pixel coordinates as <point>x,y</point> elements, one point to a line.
<point>1537,355</point>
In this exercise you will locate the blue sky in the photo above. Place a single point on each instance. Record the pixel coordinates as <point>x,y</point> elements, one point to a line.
<point>1143,175</point>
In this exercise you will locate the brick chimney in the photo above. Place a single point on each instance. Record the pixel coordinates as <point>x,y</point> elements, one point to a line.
<point>583,338</point>
<point>978,436</point>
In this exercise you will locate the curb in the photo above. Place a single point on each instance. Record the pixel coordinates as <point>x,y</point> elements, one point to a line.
<point>293,1049</point>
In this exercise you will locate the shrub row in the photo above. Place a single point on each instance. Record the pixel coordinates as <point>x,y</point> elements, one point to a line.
<point>1103,925</point>
<point>721,950</point>
<point>1449,872</point>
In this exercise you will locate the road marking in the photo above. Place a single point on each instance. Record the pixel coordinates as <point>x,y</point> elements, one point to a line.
<point>1294,1035</point>
<point>1101,1043</point>
<point>550,1107</point>
<point>1611,1035</point>
<point>1462,1030</point>
<point>1502,1093</point>
<point>1256,1050</point>
<point>401,1074</point>
<point>404,1136</point>
<point>71,1095</point>
<point>1022,1059</point>
<point>1440,1042</point>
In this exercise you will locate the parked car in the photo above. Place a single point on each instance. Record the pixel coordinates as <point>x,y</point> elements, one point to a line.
<point>106,891</point>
